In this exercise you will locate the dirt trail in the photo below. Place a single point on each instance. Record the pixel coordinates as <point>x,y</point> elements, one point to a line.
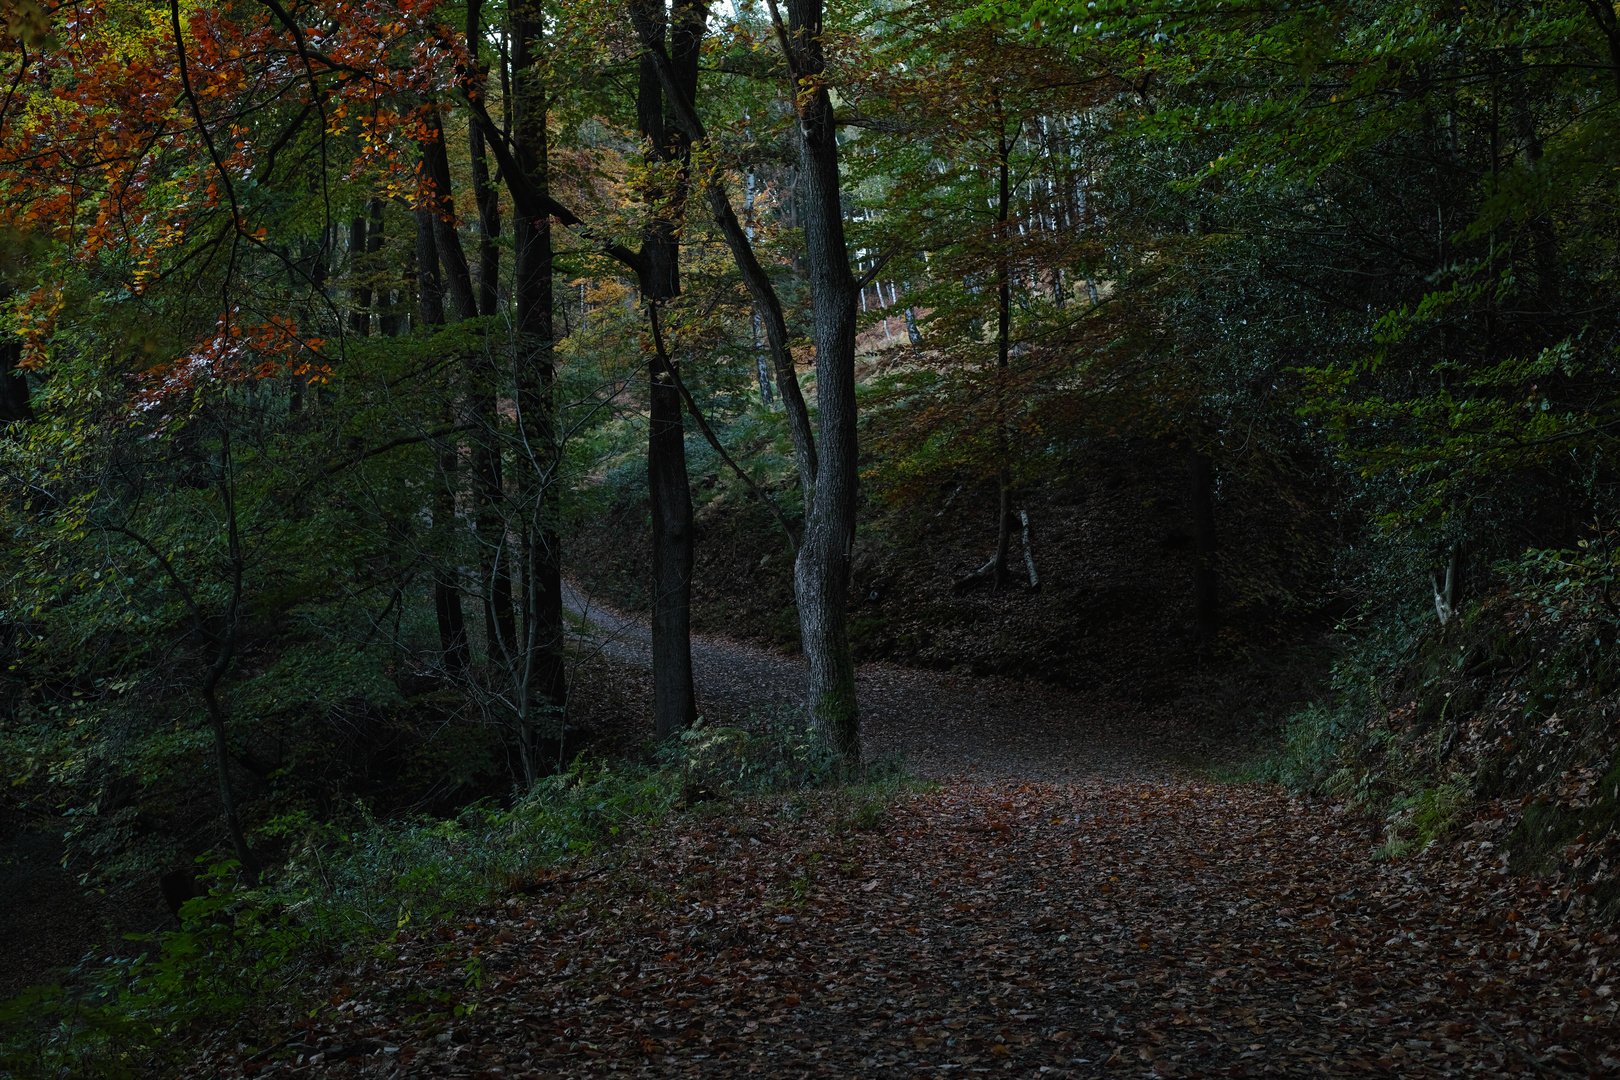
<point>1115,919</point>
<point>944,725</point>
<point>1011,929</point>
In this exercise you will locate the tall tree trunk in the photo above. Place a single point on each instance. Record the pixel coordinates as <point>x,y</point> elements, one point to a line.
<point>544,682</point>
<point>1005,521</point>
<point>753,317</point>
<point>222,758</point>
<point>385,299</point>
<point>670,495</point>
<point>1206,610</point>
<point>223,658</point>
<point>821,572</point>
<point>484,193</point>
<point>429,285</point>
<point>490,521</point>
<point>668,488</point>
<point>446,596</point>
<point>455,276</point>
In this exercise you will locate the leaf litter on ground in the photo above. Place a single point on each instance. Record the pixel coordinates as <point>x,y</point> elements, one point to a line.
<point>1175,928</point>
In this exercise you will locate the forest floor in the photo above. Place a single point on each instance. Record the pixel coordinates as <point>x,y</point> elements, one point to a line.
<point>1054,900</point>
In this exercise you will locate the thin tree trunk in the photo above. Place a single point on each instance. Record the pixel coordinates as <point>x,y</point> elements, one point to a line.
<point>761,290</point>
<point>222,663</point>
<point>222,757</point>
<point>389,323</point>
<point>487,198</point>
<point>753,316</point>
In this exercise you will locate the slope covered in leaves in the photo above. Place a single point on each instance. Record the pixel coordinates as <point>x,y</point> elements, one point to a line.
<point>1174,929</point>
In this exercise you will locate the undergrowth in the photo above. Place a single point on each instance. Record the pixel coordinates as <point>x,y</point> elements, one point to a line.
<point>1501,720</point>
<point>344,893</point>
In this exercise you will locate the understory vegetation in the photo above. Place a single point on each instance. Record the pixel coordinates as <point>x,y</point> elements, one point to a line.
<point>348,884</point>
<point>1250,373</point>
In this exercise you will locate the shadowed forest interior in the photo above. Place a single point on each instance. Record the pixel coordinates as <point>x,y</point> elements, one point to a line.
<point>809,538</point>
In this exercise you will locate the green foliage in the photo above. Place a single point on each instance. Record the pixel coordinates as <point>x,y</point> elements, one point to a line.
<point>783,753</point>
<point>342,890</point>
<point>339,890</point>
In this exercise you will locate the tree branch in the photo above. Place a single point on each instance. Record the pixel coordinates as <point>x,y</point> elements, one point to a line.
<point>708,432</point>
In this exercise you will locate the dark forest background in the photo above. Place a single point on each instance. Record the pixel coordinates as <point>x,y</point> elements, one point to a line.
<point>1251,363</point>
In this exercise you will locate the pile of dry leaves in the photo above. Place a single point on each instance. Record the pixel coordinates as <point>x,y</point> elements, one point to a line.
<point>1170,929</point>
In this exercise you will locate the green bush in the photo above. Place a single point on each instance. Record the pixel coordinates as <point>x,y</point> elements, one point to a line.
<point>783,754</point>
<point>339,889</point>
<point>346,888</point>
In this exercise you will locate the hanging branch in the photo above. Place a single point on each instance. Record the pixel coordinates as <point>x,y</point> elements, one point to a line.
<point>708,432</point>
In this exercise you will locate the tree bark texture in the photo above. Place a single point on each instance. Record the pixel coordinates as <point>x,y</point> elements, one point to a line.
<point>821,572</point>
<point>658,271</point>
<point>545,682</point>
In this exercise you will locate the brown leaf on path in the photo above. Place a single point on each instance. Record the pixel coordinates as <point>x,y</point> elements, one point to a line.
<point>1215,956</point>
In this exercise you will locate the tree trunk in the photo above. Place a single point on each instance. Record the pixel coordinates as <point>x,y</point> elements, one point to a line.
<point>389,323</point>
<point>767,305</point>
<point>484,193</point>
<point>668,488</point>
<point>222,662</point>
<point>670,494</point>
<point>821,572</point>
<point>1206,610</point>
<point>544,681</point>
<point>429,286</point>
<point>456,277</point>
<point>1448,587</point>
<point>764,370</point>
<point>359,292</point>
<point>446,596</point>
<point>222,760</point>
<point>1005,523</point>
<point>490,522</point>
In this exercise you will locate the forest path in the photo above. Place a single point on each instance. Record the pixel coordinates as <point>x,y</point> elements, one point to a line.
<point>1013,929</point>
<point>943,724</point>
<point>1117,920</point>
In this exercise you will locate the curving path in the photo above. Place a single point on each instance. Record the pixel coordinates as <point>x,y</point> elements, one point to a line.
<point>943,724</point>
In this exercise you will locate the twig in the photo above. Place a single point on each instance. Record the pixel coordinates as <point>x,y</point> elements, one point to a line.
<point>708,432</point>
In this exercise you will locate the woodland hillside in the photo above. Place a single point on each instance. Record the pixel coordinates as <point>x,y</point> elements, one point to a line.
<point>464,464</point>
